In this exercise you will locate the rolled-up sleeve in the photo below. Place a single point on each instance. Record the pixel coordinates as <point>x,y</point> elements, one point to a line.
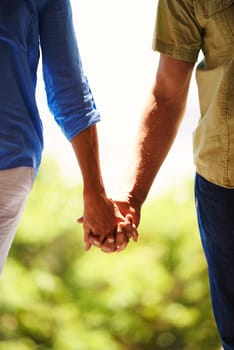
<point>68,93</point>
<point>177,32</point>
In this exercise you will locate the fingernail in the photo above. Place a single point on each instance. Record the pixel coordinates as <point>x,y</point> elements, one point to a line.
<point>121,247</point>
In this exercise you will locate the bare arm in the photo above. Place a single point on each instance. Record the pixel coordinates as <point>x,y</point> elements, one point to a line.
<point>85,146</point>
<point>101,216</point>
<point>158,128</point>
<point>99,212</point>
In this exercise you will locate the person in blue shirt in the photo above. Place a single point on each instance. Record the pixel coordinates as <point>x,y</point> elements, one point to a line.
<point>28,27</point>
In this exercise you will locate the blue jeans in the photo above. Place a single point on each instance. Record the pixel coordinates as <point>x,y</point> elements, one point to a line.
<point>215,213</point>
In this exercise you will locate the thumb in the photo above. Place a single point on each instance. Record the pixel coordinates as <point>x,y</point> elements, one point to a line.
<point>80,220</point>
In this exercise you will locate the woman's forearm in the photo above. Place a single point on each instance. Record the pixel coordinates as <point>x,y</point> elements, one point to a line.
<point>85,146</point>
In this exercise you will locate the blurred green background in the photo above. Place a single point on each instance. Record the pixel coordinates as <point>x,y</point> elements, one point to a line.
<point>152,296</point>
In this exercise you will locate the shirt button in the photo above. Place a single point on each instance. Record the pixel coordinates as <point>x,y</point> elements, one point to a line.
<point>205,12</point>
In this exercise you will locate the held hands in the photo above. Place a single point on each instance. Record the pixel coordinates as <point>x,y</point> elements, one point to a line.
<point>116,240</point>
<point>109,225</point>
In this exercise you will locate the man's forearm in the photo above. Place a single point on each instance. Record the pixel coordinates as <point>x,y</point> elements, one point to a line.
<point>159,124</point>
<point>156,134</point>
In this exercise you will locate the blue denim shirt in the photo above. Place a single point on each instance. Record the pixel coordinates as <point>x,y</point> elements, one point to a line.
<point>28,27</point>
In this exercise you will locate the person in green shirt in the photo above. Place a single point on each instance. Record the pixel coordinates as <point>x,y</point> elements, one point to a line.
<point>183,30</point>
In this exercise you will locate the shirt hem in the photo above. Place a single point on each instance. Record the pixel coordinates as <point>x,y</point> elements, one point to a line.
<point>189,55</point>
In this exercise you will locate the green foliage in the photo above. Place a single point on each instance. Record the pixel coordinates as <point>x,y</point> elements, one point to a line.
<point>152,296</point>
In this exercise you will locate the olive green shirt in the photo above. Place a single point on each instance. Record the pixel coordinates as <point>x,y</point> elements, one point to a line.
<point>183,29</point>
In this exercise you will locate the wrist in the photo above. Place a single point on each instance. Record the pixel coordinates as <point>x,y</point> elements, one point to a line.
<point>94,195</point>
<point>131,194</point>
<point>135,200</point>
